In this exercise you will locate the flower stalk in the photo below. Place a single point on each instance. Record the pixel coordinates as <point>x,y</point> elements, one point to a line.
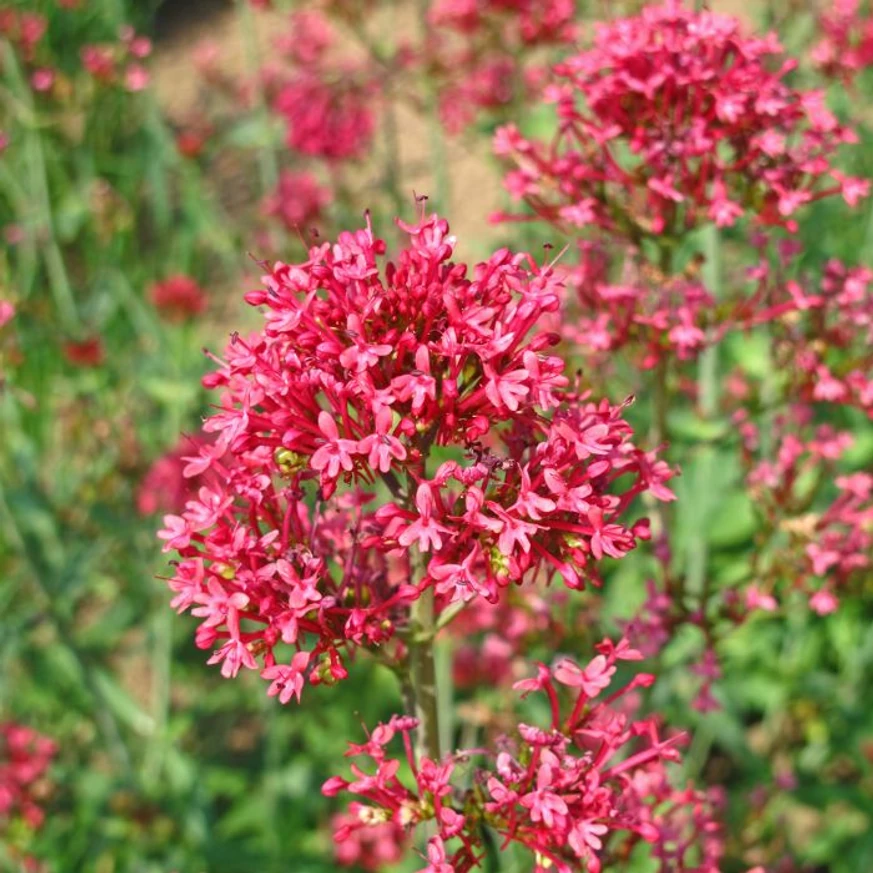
<point>422,675</point>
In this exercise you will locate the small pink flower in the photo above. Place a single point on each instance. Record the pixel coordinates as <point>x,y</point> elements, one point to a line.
<point>823,602</point>
<point>592,680</point>
<point>335,453</point>
<point>424,531</point>
<point>43,79</point>
<point>136,78</point>
<point>287,679</point>
<point>7,312</point>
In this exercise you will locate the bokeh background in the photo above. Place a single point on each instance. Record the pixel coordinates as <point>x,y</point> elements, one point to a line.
<point>150,149</point>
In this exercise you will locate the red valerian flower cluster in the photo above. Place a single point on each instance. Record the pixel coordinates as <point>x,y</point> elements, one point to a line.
<point>536,22</point>
<point>88,352</point>
<point>118,63</point>
<point>673,119</point>
<point>492,641</point>
<point>25,757</point>
<point>582,791</point>
<point>7,312</point>
<point>329,104</point>
<point>846,45</point>
<point>371,848</point>
<point>822,329</point>
<point>328,119</point>
<point>394,429</point>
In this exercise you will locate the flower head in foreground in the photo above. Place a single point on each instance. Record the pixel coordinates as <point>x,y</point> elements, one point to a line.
<point>577,794</point>
<point>394,427</point>
<point>676,118</point>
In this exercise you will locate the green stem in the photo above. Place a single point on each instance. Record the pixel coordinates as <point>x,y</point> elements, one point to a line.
<point>162,667</point>
<point>38,176</point>
<point>422,676</point>
<point>707,373</point>
<point>392,155</point>
<point>697,579</point>
<point>267,161</point>
<point>660,400</point>
<point>442,194</point>
<point>103,714</point>
<point>659,435</point>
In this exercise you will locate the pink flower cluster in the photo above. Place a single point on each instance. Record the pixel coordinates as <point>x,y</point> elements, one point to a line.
<point>676,118</point>
<point>371,848</point>
<point>121,62</point>
<point>7,312</point>
<point>846,45</point>
<point>537,23</point>
<point>328,104</point>
<point>178,298</point>
<point>327,119</point>
<point>492,639</point>
<point>823,328</point>
<point>24,30</point>
<point>833,343</point>
<point>393,429</point>
<point>647,319</point>
<point>582,791</point>
<point>25,757</point>
<point>297,201</point>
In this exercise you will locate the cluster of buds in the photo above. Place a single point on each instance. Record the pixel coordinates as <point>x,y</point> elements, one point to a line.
<point>390,431</point>
<point>674,119</point>
<point>580,792</point>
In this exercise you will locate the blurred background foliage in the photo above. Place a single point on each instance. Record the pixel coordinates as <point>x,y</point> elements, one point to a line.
<point>163,765</point>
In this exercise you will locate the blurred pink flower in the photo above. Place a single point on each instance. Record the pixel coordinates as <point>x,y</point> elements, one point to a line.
<point>7,312</point>
<point>297,201</point>
<point>178,298</point>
